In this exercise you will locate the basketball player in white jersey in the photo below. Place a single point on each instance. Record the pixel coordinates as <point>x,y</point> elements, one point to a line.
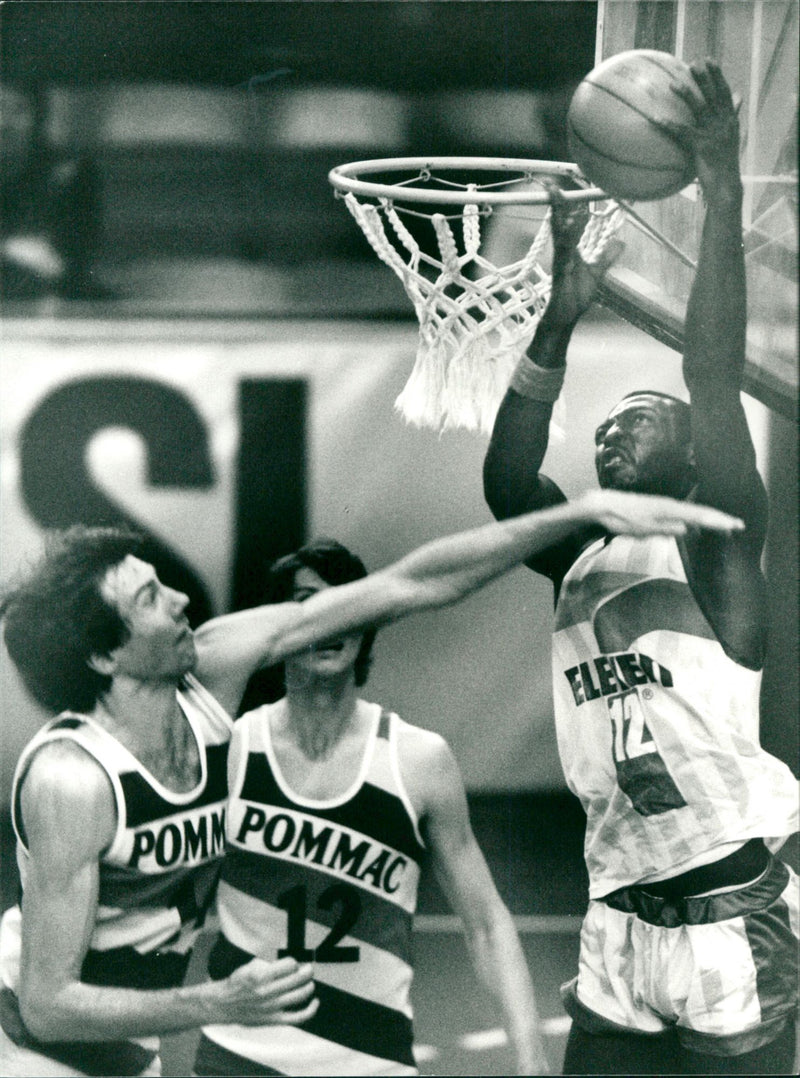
<point>688,957</point>
<point>119,802</point>
<point>337,807</point>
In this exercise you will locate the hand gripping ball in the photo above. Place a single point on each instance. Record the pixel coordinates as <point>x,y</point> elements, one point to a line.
<point>613,125</point>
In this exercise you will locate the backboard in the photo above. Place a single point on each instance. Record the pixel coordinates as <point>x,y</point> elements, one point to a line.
<point>756,44</point>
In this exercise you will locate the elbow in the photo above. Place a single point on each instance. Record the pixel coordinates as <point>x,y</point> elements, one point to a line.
<point>413,593</point>
<point>41,1017</point>
<point>490,946</point>
<point>452,592</point>
<point>511,487</point>
<point>436,594</point>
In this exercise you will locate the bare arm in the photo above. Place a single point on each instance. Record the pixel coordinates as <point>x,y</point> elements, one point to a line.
<point>69,815</point>
<point>437,574</point>
<point>512,481</point>
<point>437,790</point>
<point>725,573</point>
<point>714,350</point>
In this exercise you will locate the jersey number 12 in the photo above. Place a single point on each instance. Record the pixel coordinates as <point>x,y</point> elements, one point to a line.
<point>294,901</point>
<point>641,772</point>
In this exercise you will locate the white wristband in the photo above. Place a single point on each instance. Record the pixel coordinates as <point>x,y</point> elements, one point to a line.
<point>537,383</point>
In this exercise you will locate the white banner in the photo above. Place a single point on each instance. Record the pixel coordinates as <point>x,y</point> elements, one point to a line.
<point>227,442</point>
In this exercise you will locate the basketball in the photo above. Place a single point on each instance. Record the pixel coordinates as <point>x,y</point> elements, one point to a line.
<point>612,125</point>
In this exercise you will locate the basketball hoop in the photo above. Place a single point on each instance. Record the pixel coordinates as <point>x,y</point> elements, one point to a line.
<point>476,318</point>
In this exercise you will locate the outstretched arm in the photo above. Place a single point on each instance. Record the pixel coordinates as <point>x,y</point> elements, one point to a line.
<point>437,792</point>
<point>512,481</point>
<point>437,574</point>
<point>725,574</point>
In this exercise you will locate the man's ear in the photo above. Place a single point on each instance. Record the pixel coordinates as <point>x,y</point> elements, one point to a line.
<point>101,664</point>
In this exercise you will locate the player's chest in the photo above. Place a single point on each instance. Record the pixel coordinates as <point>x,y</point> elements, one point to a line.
<point>326,778</point>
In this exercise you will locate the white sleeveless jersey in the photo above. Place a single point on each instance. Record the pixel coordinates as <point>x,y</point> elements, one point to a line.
<point>657,727</point>
<point>331,882</point>
<point>158,875</point>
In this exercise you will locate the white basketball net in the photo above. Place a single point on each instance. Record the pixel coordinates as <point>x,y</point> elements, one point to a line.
<point>473,329</point>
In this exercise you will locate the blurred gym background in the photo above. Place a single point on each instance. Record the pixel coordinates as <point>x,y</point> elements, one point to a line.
<point>198,339</point>
<point>200,135</point>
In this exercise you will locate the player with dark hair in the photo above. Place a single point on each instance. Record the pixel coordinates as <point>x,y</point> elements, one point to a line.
<point>119,807</point>
<point>337,808</point>
<point>688,958</point>
<point>58,618</point>
<point>119,802</point>
<point>335,564</point>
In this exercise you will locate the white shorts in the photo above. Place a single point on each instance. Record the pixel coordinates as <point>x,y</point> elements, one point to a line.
<point>722,969</point>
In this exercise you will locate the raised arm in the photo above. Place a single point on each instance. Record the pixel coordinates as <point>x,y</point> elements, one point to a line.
<point>714,350</point>
<point>437,791</point>
<point>512,481</point>
<point>69,817</point>
<point>437,574</point>
<point>726,573</point>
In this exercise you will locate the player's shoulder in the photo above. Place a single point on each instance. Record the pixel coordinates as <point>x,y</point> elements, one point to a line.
<point>64,784</point>
<point>426,759</point>
<point>418,741</point>
<point>64,767</point>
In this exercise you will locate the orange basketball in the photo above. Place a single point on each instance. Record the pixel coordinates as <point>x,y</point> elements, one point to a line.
<point>612,125</point>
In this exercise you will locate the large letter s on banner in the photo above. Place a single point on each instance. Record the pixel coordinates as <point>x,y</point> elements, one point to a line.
<point>58,489</point>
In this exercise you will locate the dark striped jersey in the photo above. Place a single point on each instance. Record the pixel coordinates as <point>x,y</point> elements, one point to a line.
<point>657,726</point>
<point>330,882</point>
<point>157,878</point>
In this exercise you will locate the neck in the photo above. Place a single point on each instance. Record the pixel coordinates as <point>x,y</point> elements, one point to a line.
<point>320,713</point>
<point>144,716</point>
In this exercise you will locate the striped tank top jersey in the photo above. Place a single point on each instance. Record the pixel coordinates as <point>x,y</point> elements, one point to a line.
<point>657,726</point>
<point>156,879</point>
<point>330,882</point>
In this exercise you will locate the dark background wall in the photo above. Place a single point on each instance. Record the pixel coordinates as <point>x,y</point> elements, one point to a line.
<point>407,46</point>
<point>208,129</point>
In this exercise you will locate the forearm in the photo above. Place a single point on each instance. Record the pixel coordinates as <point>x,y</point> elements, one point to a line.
<point>713,364</point>
<point>86,1012</point>
<point>511,480</point>
<point>500,965</point>
<point>717,310</point>
<point>550,342</point>
<point>447,569</point>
